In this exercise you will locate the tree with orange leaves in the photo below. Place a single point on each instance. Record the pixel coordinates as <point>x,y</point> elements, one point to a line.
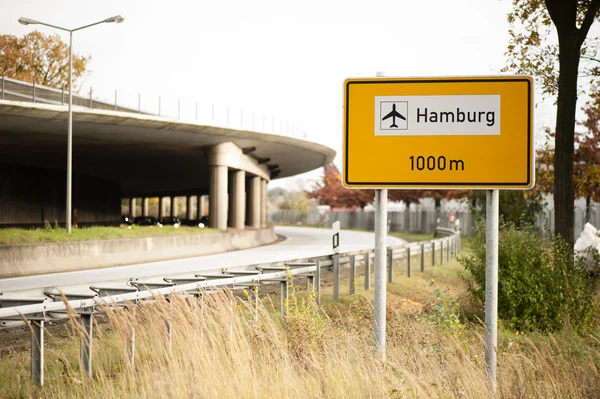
<point>331,191</point>
<point>41,58</point>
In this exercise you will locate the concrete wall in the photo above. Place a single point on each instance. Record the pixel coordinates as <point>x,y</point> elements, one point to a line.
<point>31,195</point>
<point>22,260</point>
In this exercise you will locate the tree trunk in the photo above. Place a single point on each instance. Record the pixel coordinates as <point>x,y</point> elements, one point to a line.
<point>564,187</point>
<point>588,209</point>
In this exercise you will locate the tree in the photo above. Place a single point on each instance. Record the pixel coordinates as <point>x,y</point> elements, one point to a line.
<point>406,196</point>
<point>331,192</point>
<point>586,168</point>
<point>516,207</point>
<point>40,58</point>
<point>530,51</point>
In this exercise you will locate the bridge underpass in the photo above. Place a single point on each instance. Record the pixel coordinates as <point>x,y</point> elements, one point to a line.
<point>137,156</point>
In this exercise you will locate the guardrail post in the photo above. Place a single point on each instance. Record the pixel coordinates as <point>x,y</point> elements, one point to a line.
<point>3,87</point>
<point>130,348</point>
<point>441,252</point>
<point>254,290</point>
<point>230,315</point>
<point>336,277</point>
<point>62,95</point>
<point>130,344</point>
<point>318,282</point>
<point>433,254</point>
<point>408,261</point>
<point>91,103</point>
<point>390,265</point>
<point>34,91</point>
<point>169,327</point>
<point>422,258</point>
<point>456,240</point>
<point>352,274</point>
<point>85,347</point>
<point>448,250</point>
<point>37,351</point>
<point>367,271</point>
<point>284,298</point>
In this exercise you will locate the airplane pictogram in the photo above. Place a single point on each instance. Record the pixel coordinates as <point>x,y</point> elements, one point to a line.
<point>394,114</point>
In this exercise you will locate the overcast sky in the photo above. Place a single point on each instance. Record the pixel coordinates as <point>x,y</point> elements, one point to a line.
<point>279,58</point>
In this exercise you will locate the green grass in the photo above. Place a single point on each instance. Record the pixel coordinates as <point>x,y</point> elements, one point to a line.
<point>405,235</point>
<point>36,236</point>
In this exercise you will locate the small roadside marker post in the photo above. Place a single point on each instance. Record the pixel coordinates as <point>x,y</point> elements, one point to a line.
<point>336,260</point>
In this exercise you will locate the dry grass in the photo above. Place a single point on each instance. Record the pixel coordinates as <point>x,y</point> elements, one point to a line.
<point>222,350</point>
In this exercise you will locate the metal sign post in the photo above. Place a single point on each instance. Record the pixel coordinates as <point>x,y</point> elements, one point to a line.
<point>491,283</point>
<point>380,282</point>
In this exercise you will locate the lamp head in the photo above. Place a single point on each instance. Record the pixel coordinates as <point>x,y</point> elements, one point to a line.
<point>116,19</point>
<point>27,21</point>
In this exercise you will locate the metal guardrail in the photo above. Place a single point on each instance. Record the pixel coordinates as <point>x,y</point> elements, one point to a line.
<point>222,115</point>
<point>35,311</point>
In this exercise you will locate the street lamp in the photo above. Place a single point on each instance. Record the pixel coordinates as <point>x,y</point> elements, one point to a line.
<point>27,21</point>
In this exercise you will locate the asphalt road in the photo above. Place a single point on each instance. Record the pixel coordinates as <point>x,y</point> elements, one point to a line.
<point>301,242</point>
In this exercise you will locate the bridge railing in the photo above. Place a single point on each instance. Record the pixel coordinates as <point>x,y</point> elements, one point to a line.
<point>55,304</point>
<point>201,112</point>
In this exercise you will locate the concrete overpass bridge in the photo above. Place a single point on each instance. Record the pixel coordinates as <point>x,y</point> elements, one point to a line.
<point>121,154</point>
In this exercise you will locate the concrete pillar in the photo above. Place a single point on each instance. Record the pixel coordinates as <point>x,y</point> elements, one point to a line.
<point>254,202</point>
<point>145,206</point>
<point>188,207</point>
<point>230,199</point>
<point>174,210</point>
<point>198,206</point>
<point>218,197</point>
<point>161,207</point>
<point>202,205</point>
<point>263,202</point>
<point>132,207</point>
<point>238,195</point>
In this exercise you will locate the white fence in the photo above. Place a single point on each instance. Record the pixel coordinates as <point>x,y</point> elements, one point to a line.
<point>415,220</point>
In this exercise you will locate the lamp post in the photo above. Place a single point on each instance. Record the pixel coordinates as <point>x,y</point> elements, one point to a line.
<point>27,21</point>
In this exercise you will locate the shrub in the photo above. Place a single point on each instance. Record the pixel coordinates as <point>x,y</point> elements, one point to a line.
<point>540,286</point>
<point>444,311</point>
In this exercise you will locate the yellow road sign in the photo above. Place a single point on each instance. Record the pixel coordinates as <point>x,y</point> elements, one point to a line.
<point>465,132</point>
